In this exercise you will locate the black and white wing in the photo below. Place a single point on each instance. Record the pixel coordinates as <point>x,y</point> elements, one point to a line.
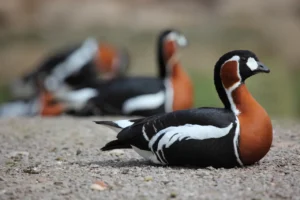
<point>135,96</point>
<point>202,137</point>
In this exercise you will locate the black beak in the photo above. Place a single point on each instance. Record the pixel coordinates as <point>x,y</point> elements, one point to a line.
<point>262,68</point>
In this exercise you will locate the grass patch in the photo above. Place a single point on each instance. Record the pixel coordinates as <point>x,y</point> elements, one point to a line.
<point>4,94</point>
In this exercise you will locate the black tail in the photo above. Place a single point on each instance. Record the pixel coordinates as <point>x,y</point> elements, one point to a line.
<point>108,123</point>
<point>115,144</point>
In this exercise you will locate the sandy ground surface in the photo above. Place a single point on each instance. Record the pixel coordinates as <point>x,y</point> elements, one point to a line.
<point>61,159</point>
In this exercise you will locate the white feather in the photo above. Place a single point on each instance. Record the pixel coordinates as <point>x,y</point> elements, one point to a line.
<point>20,108</point>
<point>123,123</point>
<point>72,64</point>
<point>186,132</point>
<point>179,38</point>
<point>182,41</point>
<point>236,141</point>
<point>146,154</point>
<point>169,95</point>
<point>234,86</point>
<point>144,102</point>
<point>76,99</point>
<point>145,134</point>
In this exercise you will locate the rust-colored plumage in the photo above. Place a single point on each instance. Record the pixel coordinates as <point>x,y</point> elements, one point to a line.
<point>49,107</point>
<point>183,89</point>
<point>255,126</point>
<point>183,96</point>
<point>107,58</point>
<point>229,74</point>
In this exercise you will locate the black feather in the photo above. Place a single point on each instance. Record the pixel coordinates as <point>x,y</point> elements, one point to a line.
<point>108,123</point>
<point>115,144</point>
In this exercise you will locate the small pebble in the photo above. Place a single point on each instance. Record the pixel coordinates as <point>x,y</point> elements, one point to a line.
<point>125,171</point>
<point>148,178</point>
<point>78,152</point>
<point>53,150</point>
<point>41,180</point>
<point>58,183</point>
<point>59,159</point>
<point>32,170</point>
<point>17,156</point>
<point>173,195</point>
<point>117,152</point>
<point>99,185</point>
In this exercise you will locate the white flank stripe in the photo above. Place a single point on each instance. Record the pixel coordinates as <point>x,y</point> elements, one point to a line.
<point>146,154</point>
<point>20,108</point>
<point>154,128</point>
<point>235,141</point>
<point>72,64</point>
<point>145,134</point>
<point>169,95</point>
<point>144,102</point>
<point>188,131</point>
<point>76,99</point>
<point>123,123</point>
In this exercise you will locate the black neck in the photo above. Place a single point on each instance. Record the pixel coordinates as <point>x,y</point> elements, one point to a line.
<point>161,58</point>
<point>219,86</point>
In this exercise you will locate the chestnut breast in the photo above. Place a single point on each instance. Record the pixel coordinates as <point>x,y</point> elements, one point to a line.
<point>183,89</point>
<point>256,132</point>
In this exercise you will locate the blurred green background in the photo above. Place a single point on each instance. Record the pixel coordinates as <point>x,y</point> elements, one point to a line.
<point>29,29</point>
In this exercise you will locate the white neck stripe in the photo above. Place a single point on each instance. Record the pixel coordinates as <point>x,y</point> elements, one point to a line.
<point>234,86</point>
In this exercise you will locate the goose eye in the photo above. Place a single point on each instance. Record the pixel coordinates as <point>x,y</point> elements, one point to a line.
<point>243,58</point>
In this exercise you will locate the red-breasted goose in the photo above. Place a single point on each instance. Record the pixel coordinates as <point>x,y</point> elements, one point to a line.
<point>237,135</point>
<point>143,95</point>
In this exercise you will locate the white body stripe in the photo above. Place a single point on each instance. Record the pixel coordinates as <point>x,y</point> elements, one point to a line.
<point>76,99</point>
<point>144,102</point>
<point>72,64</point>
<point>233,106</point>
<point>145,134</point>
<point>169,95</point>
<point>146,154</point>
<point>236,141</point>
<point>20,108</point>
<point>188,131</point>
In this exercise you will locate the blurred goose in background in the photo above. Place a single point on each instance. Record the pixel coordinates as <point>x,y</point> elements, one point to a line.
<point>142,95</point>
<point>73,67</point>
<point>69,69</point>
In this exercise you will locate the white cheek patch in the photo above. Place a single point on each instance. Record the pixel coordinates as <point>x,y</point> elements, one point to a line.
<point>252,64</point>
<point>172,36</point>
<point>180,39</point>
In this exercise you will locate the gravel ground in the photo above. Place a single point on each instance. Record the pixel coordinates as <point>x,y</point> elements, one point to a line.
<point>60,158</point>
